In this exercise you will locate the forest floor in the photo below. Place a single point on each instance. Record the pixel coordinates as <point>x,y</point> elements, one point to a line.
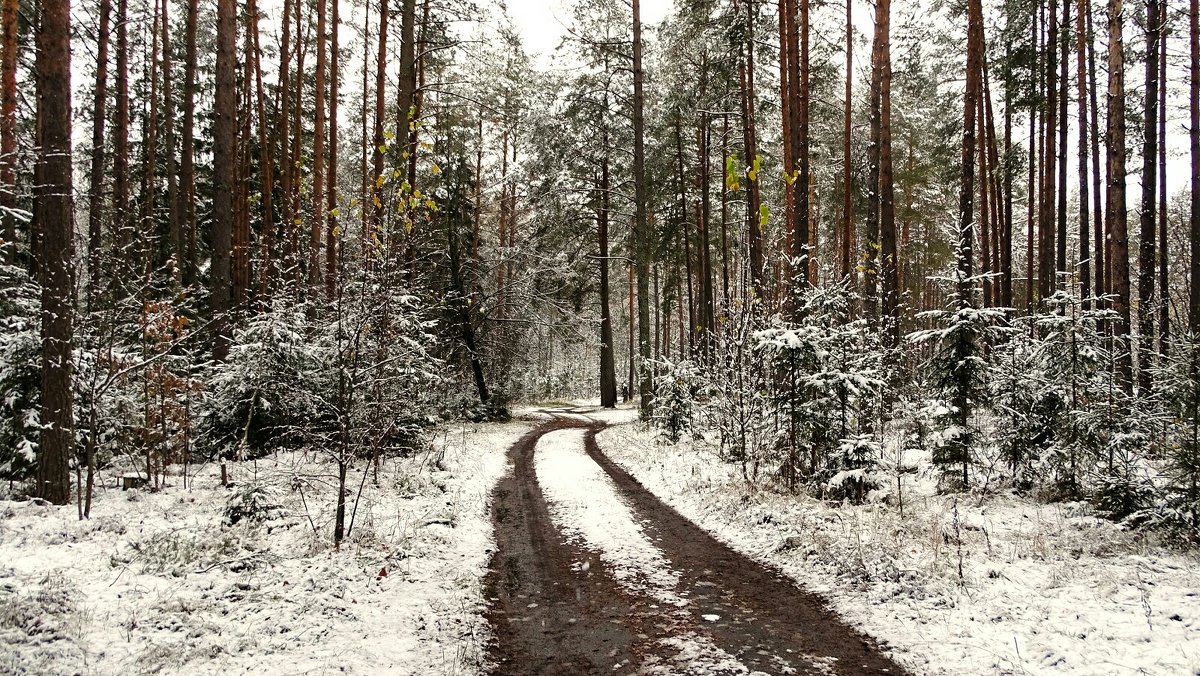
<point>573,541</point>
<point>986,582</point>
<point>159,582</point>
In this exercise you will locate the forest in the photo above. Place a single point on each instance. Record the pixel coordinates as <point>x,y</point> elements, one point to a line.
<point>323,261</point>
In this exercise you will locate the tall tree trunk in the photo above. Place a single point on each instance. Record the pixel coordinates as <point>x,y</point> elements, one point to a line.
<point>1194,151</point>
<point>801,100</point>
<point>331,226</point>
<point>266,166</point>
<point>53,220</point>
<point>966,194</point>
<point>1099,243</point>
<point>874,206</point>
<point>847,255</point>
<point>187,162</point>
<point>8,118</point>
<point>1115,202</point>
<point>317,222</point>
<point>1047,279</point>
<point>175,205</point>
<point>1147,264</point>
<point>1164,303</point>
<point>1085,221</point>
<point>224,169</point>
<point>121,218</point>
<point>96,182</point>
<point>750,147</point>
<point>1060,256</point>
<point>685,227</point>
<point>379,140</point>
<point>985,222</point>
<point>608,365</point>
<point>889,255</point>
<point>643,240</point>
<point>1006,250</point>
<point>149,243</point>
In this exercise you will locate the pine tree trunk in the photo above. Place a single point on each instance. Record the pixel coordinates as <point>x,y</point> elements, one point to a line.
<point>266,165</point>
<point>889,254</point>
<point>224,169</point>
<point>379,140</point>
<point>1147,264</point>
<point>971,97</point>
<point>8,119</point>
<point>1047,279</point>
<point>121,235</point>
<point>187,163</point>
<point>331,197</point>
<point>96,182</point>
<point>1085,221</point>
<point>798,63</point>
<point>874,206</point>
<point>643,240</point>
<point>608,366</point>
<point>1060,256</point>
<point>848,248</point>
<point>750,146</point>
<point>1099,246</point>
<point>1194,152</point>
<point>175,205</point>
<point>317,222</point>
<point>53,221</point>
<point>1164,303</point>
<point>1115,202</point>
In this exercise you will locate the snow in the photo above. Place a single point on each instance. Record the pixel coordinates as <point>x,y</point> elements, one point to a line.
<point>1044,589</point>
<point>157,581</point>
<point>589,511</point>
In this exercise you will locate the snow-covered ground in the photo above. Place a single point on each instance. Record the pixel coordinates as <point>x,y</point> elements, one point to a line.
<point>156,582</point>
<point>1047,589</point>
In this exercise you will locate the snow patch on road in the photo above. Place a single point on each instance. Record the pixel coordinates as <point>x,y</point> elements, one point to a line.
<point>585,505</point>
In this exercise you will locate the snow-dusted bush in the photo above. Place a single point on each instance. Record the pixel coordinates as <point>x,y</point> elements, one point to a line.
<point>273,389</point>
<point>827,381</point>
<point>254,502</point>
<point>738,405</point>
<point>958,372</point>
<point>20,374</point>
<point>674,397</point>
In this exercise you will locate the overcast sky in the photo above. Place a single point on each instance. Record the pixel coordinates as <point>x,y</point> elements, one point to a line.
<point>541,22</point>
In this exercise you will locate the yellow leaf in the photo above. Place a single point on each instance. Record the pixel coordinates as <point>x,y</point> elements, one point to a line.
<point>435,169</point>
<point>378,204</point>
<point>337,231</point>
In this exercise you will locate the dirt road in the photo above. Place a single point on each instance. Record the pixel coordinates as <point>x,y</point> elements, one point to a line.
<point>559,606</point>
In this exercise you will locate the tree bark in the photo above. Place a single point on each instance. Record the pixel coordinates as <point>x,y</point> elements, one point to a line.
<point>1147,264</point>
<point>889,254</point>
<point>642,236</point>
<point>317,222</point>
<point>96,180</point>
<point>331,226</point>
<point>1047,279</point>
<point>1115,202</point>
<point>608,366</point>
<point>266,166</point>
<point>1085,221</point>
<point>8,120</point>
<point>1194,152</point>
<point>187,163</point>
<point>224,170</point>
<point>54,223</point>
<point>121,235</point>
<point>175,205</point>
<point>847,253</point>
